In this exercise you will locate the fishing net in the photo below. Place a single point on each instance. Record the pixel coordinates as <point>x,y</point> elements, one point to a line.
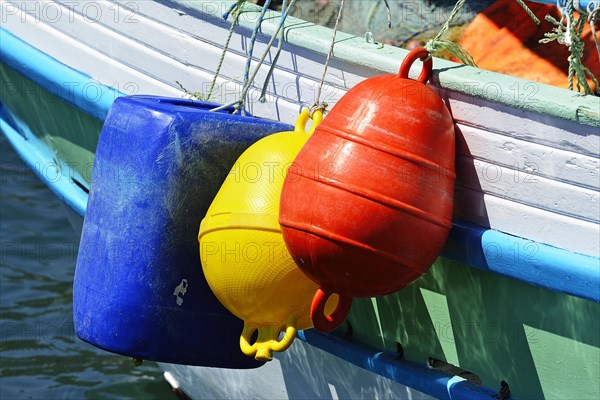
<point>432,23</point>
<point>442,25</point>
<point>409,19</point>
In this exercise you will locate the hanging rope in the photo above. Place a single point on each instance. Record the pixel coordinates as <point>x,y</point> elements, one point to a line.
<point>251,51</point>
<point>231,8</point>
<point>260,62</point>
<point>389,13</point>
<point>318,105</point>
<point>263,93</point>
<point>528,11</point>
<point>439,43</point>
<point>569,34</point>
<point>236,9</point>
<point>593,10</point>
<point>372,11</point>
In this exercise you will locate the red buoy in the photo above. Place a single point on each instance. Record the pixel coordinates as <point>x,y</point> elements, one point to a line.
<point>367,205</point>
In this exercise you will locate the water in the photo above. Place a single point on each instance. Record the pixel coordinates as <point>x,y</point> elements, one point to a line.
<point>40,355</point>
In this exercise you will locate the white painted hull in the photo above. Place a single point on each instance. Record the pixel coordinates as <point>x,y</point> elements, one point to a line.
<point>515,164</point>
<point>303,372</point>
<point>527,155</point>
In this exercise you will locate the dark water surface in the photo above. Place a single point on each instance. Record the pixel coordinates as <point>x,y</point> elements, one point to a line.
<point>40,355</point>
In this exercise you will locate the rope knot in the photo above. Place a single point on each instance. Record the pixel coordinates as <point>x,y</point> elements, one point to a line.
<point>322,106</point>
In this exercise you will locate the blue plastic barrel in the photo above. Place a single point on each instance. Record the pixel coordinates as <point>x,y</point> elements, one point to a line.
<point>139,289</point>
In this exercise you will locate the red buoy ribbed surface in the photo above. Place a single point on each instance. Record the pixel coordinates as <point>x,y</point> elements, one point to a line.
<point>367,205</point>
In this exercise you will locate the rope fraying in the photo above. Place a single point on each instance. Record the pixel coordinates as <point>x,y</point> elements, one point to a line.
<point>569,34</point>
<point>439,43</point>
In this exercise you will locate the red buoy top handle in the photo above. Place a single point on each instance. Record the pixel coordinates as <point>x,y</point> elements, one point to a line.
<point>327,323</point>
<point>422,54</point>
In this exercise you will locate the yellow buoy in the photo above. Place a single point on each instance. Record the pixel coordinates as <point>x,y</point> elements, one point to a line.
<point>244,257</point>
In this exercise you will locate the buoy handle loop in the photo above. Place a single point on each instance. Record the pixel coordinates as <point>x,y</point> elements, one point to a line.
<point>305,115</point>
<point>422,54</point>
<point>267,341</point>
<point>327,323</point>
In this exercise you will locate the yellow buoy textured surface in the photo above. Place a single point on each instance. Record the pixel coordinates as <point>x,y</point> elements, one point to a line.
<point>244,258</point>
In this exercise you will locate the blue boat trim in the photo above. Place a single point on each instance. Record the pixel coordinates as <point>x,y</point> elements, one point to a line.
<point>486,249</point>
<point>407,373</point>
<point>61,80</point>
<point>526,260</point>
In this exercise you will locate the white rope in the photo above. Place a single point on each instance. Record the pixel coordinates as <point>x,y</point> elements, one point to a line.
<point>318,105</point>
<point>593,9</point>
<point>263,93</point>
<point>261,61</point>
<point>235,8</point>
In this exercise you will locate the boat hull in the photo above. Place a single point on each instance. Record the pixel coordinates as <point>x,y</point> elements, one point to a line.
<point>514,296</point>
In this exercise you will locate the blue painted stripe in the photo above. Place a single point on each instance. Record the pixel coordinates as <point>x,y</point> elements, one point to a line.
<point>485,249</point>
<point>40,158</point>
<point>69,84</point>
<point>532,262</point>
<point>408,373</point>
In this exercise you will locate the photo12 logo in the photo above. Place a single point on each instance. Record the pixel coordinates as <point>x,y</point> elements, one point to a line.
<point>37,332</point>
<point>46,254</point>
<point>253,172</point>
<point>245,252</point>
<point>69,12</point>
<point>73,90</point>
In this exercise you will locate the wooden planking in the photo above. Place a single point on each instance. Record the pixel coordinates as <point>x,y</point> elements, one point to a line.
<point>185,18</point>
<point>531,127</point>
<point>286,110</point>
<point>194,47</point>
<point>60,46</point>
<point>494,117</point>
<point>292,375</point>
<point>552,101</point>
<point>131,53</point>
<point>516,123</point>
<point>232,63</point>
<point>526,221</point>
<point>162,67</point>
<point>77,55</point>
<point>111,73</point>
<point>569,204</point>
<point>523,186</point>
<point>531,158</point>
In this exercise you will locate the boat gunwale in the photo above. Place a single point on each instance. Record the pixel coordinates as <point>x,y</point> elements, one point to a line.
<point>447,75</point>
<point>564,271</point>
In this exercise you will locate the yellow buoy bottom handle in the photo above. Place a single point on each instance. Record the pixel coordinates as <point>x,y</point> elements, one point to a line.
<point>267,340</point>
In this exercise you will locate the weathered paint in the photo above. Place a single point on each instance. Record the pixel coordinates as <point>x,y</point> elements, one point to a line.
<point>553,101</point>
<point>531,136</point>
<point>459,314</point>
<point>499,328</point>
